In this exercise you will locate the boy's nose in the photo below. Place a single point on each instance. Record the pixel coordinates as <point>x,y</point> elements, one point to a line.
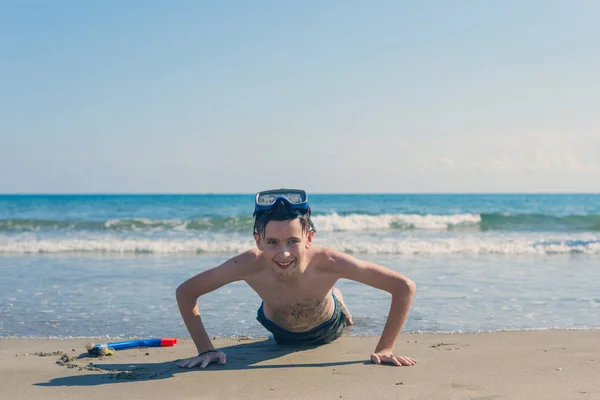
<point>285,253</point>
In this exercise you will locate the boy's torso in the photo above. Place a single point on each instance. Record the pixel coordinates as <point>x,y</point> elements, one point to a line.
<point>297,305</point>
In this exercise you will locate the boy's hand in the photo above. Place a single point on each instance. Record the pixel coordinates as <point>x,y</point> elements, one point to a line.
<point>204,359</point>
<point>388,357</point>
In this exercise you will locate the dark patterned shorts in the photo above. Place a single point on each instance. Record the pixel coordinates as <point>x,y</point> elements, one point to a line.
<point>327,332</point>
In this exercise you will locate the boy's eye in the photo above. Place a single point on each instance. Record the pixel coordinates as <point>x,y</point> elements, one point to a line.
<point>271,242</point>
<point>294,241</point>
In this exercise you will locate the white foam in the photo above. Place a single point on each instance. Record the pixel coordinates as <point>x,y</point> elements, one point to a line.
<point>137,224</point>
<point>463,246</point>
<point>352,243</point>
<point>360,222</point>
<point>124,245</point>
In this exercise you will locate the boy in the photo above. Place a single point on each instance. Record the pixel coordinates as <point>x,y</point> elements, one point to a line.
<point>295,280</point>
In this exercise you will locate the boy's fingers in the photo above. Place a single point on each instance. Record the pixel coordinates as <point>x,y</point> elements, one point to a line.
<point>191,363</point>
<point>194,362</point>
<point>205,361</point>
<point>395,361</point>
<point>392,359</point>
<point>407,360</point>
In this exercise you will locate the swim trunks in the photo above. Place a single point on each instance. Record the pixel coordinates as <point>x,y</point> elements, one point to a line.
<point>327,332</point>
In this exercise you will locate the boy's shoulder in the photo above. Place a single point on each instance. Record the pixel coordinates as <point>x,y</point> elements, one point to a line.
<point>328,252</point>
<point>321,252</point>
<point>242,266</point>
<point>328,258</point>
<point>248,258</point>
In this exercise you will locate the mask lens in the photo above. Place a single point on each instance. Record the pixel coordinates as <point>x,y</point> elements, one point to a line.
<point>266,199</point>
<point>294,198</point>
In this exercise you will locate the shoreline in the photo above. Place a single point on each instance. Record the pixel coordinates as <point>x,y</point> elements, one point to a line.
<point>265,337</point>
<point>534,364</point>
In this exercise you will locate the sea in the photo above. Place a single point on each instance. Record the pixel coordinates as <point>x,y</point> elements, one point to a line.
<point>107,266</point>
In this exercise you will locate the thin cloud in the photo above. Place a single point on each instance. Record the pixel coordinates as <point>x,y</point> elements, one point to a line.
<point>446,162</point>
<point>555,163</point>
<point>539,161</point>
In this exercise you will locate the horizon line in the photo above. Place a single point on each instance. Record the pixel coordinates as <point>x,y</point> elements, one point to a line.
<point>310,193</point>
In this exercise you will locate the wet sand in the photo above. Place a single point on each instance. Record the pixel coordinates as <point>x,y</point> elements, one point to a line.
<point>499,365</point>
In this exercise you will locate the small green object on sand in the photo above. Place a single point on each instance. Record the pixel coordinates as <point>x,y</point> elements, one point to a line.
<point>99,350</point>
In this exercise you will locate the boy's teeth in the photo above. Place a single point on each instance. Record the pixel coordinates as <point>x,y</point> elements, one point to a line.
<point>284,264</point>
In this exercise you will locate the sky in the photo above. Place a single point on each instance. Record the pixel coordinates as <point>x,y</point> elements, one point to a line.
<point>329,96</point>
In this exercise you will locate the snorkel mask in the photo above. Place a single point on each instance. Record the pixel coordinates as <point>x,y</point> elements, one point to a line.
<point>294,201</point>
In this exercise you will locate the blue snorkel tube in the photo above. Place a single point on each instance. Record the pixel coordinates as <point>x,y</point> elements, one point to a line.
<point>108,349</point>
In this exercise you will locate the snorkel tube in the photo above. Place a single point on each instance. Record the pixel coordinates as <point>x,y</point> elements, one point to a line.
<point>109,348</point>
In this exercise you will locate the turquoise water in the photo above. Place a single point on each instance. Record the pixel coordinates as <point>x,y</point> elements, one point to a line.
<point>108,265</point>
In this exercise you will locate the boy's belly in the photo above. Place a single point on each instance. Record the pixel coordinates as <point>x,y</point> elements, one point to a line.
<point>301,316</point>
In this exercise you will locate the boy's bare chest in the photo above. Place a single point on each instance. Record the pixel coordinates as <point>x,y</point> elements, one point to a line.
<point>294,300</point>
<point>298,314</point>
<point>296,308</point>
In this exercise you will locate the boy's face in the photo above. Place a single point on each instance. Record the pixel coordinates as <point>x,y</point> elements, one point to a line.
<point>284,246</point>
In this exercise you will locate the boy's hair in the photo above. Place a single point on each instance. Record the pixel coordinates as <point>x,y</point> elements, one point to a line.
<point>281,212</point>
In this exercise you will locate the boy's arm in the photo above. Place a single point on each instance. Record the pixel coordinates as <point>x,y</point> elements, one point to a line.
<point>400,287</point>
<point>187,294</point>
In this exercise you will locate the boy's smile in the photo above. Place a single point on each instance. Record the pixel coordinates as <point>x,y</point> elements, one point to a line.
<point>284,245</point>
<point>284,265</point>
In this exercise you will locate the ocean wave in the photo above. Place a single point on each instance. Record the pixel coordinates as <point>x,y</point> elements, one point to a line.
<point>361,222</point>
<point>326,223</point>
<point>236,223</point>
<point>499,221</point>
<point>472,245</point>
<point>116,245</point>
<point>482,222</point>
<point>332,222</point>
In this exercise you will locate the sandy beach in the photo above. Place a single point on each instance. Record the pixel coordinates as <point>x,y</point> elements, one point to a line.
<point>499,365</point>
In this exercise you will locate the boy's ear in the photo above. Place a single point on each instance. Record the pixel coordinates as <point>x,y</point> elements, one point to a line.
<point>258,241</point>
<point>309,238</point>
